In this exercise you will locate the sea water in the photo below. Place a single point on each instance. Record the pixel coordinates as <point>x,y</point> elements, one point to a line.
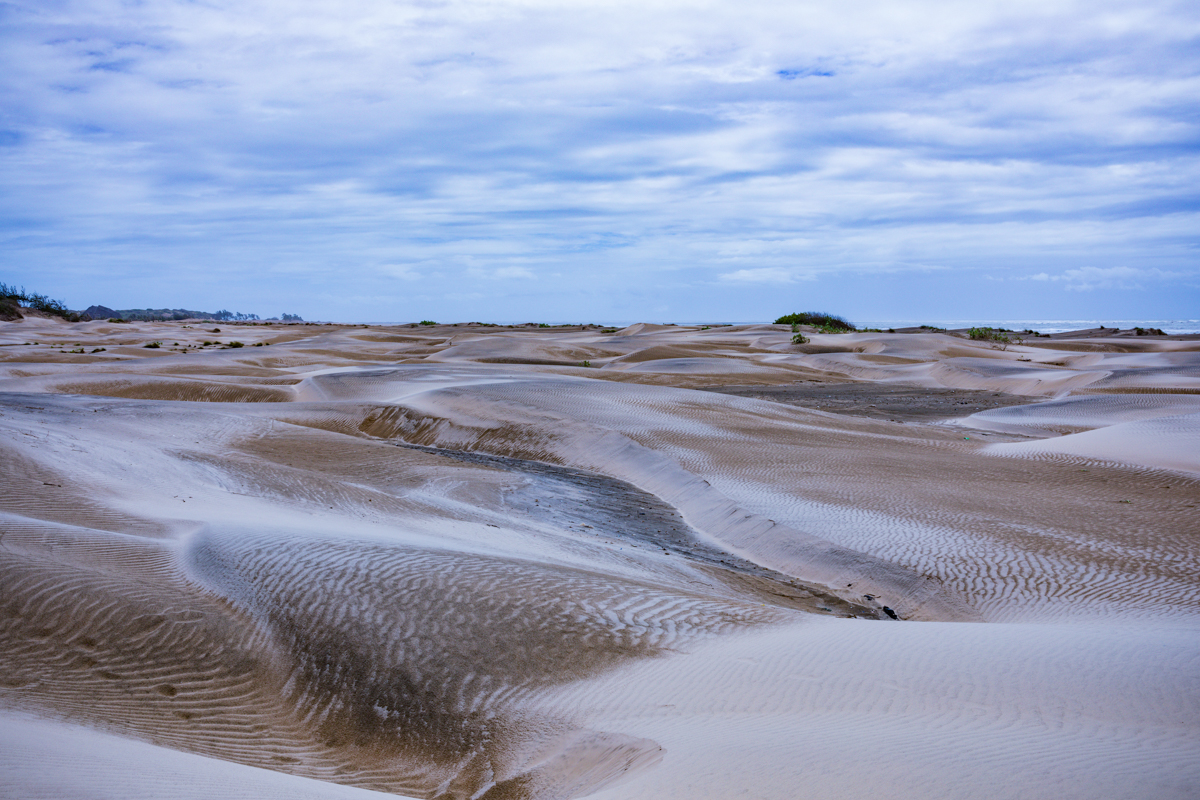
<point>1168,326</point>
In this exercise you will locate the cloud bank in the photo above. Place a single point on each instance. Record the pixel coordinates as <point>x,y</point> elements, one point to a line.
<point>373,160</point>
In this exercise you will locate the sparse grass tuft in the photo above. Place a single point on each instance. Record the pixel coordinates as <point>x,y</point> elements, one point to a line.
<point>800,338</point>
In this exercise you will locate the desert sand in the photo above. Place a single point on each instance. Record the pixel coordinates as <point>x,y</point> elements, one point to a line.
<point>655,562</point>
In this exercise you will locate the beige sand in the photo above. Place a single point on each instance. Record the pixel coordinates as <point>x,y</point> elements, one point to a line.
<point>468,561</point>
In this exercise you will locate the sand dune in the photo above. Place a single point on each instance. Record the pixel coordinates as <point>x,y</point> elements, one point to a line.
<point>485,562</point>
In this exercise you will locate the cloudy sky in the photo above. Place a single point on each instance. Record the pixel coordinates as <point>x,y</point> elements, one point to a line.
<point>604,161</point>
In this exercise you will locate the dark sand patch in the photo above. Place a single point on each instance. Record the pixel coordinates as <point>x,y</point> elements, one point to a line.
<point>611,510</point>
<point>897,403</point>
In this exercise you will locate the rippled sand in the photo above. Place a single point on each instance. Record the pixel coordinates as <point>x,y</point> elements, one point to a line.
<point>664,561</point>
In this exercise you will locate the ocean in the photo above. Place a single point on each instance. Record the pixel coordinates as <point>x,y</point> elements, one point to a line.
<point>1169,326</point>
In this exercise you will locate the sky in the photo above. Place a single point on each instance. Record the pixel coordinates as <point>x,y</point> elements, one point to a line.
<point>367,160</point>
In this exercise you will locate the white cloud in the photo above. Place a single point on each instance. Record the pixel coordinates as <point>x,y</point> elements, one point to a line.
<point>513,272</point>
<point>762,275</point>
<point>620,142</point>
<point>404,272</point>
<point>1086,279</point>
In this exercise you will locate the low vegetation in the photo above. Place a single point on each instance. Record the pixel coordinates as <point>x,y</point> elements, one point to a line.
<point>828,323</point>
<point>1000,338</point>
<point>1149,331</point>
<point>800,338</point>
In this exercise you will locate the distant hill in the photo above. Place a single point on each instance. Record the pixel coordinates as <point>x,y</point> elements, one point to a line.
<point>156,314</point>
<point>150,314</point>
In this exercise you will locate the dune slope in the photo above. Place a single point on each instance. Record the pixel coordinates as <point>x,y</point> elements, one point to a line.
<point>481,562</point>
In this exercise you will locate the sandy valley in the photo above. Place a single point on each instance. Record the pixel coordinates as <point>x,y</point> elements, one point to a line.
<point>313,561</point>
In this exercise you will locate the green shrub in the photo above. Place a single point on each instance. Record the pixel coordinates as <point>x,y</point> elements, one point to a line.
<point>817,318</point>
<point>1000,338</point>
<point>153,345</point>
<point>427,322</point>
<point>800,338</point>
<point>236,344</point>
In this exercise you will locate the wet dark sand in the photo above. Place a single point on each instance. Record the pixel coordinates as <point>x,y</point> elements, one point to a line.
<point>619,513</point>
<point>897,403</point>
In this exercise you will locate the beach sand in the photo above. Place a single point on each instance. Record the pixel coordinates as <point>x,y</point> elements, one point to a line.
<point>663,561</point>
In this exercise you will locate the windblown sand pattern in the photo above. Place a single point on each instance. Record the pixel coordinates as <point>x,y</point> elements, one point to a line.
<point>479,562</point>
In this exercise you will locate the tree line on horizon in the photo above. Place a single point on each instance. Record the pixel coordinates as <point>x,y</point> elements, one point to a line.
<point>12,300</point>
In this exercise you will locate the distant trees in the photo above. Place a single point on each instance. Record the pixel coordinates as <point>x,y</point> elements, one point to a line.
<point>11,298</point>
<point>226,316</point>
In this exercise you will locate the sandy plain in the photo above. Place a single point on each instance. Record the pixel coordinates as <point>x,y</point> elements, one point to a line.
<point>660,561</point>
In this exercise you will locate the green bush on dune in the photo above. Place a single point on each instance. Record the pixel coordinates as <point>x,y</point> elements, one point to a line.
<point>1000,338</point>
<point>826,322</point>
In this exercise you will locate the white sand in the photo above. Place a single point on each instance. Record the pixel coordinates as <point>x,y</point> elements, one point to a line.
<point>220,574</point>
